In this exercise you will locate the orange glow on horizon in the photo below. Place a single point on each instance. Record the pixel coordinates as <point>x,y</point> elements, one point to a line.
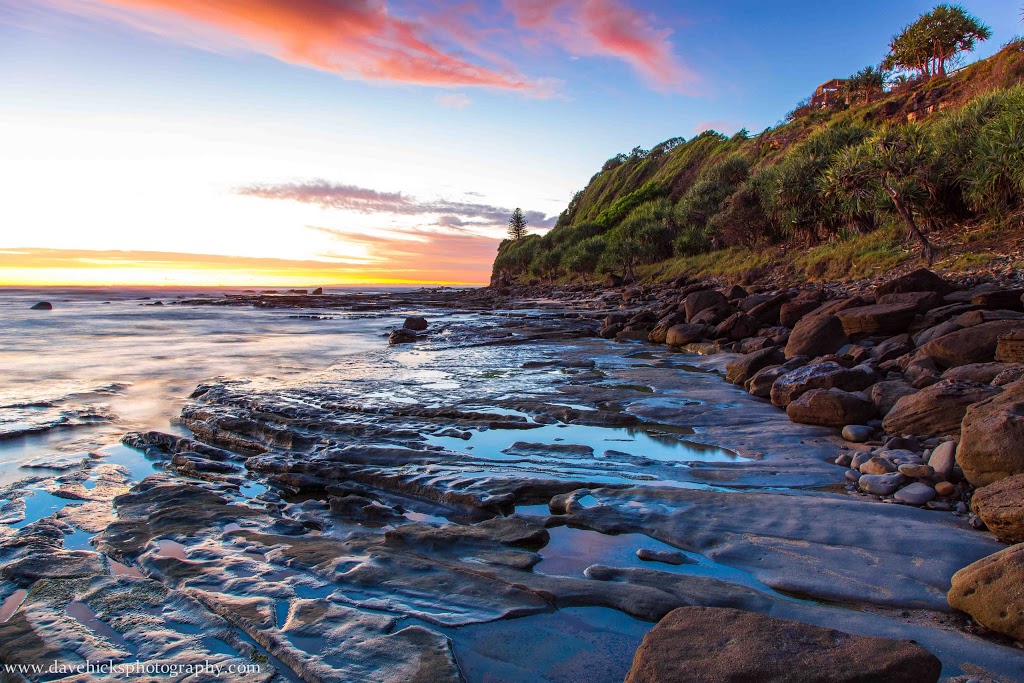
<point>55,267</point>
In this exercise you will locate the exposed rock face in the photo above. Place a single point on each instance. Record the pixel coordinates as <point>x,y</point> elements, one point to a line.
<point>816,336</point>
<point>982,373</point>
<point>992,591</point>
<point>681,335</point>
<point>1001,507</point>
<point>825,375</point>
<point>737,326</point>
<point>877,319</point>
<point>717,644</point>
<point>1008,299</point>
<point>936,410</point>
<point>741,369</point>
<point>42,306</point>
<point>703,300</point>
<point>791,312</point>
<point>975,344</point>
<point>923,301</point>
<point>830,408</point>
<point>991,437</point>
<point>415,323</point>
<point>920,280</point>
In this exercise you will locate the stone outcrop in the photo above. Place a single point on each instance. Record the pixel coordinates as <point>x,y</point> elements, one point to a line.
<point>711,644</point>
<point>974,344</point>
<point>877,319</point>
<point>824,375</point>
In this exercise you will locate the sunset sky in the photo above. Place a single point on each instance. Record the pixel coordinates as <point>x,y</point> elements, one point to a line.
<point>313,142</point>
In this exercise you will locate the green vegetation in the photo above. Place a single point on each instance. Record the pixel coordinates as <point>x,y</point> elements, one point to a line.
<point>517,225</point>
<point>838,189</point>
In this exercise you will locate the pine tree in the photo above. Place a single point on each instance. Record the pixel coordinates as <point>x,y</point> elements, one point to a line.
<point>517,225</point>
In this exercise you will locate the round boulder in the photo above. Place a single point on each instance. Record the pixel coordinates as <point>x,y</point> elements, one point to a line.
<point>830,408</point>
<point>1001,507</point>
<point>992,591</point>
<point>415,323</point>
<point>991,436</point>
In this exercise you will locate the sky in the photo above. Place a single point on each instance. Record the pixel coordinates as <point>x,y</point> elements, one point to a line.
<point>319,142</point>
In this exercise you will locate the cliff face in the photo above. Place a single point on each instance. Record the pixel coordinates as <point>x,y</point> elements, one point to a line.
<point>688,197</point>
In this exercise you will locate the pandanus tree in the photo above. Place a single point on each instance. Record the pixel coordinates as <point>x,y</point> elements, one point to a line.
<point>898,162</point>
<point>934,40</point>
<point>867,83</point>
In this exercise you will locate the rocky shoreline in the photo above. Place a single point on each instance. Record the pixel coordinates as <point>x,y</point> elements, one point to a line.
<point>505,487</point>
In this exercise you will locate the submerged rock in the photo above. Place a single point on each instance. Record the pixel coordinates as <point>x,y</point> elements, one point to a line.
<point>401,336</point>
<point>702,644</point>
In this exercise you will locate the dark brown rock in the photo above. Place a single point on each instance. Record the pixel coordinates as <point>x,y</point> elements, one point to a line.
<point>976,344</point>
<point>825,375</point>
<point>831,408</point>
<point>816,336</point>
<point>1007,299</point>
<point>982,373</point>
<point>723,645</point>
<point>936,410</point>
<point>992,591</point>
<point>886,394</point>
<point>737,326</point>
<point>922,301</point>
<point>681,335</point>
<point>1001,507</point>
<point>703,300</point>
<point>877,319</point>
<point>792,311</point>
<point>920,280</point>
<point>739,370</point>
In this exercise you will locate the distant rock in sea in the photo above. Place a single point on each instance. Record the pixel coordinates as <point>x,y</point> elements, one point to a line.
<point>42,306</point>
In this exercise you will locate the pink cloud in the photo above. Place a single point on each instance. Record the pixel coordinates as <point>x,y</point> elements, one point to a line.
<point>354,38</point>
<point>608,28</point>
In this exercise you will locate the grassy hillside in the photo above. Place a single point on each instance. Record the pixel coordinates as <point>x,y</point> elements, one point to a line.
<point>930,169</point>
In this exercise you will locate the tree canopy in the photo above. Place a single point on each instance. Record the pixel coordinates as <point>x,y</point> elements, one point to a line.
<point>517,225</point>
<point>929,44</point>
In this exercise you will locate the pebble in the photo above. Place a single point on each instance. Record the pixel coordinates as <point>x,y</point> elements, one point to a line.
<point>976,522</point>
<point>860,459</point>
<point>898,443</point>
<point>877,465</point>
<point>852,475</point>
<point>961,507</point>
<point>844,460</point>
<point>943,458</point>
<point>881,484</point>
<point>915,471</point>
<point>938,505</point>
<point>666,556</point>
<point>945,489</point>
<point>917,493</point>
<point>857,433</point>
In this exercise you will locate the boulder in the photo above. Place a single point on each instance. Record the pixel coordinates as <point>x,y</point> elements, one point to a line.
<point>824,375</point>
<point>318,291</point>
<point>703,300</point>
<point>922,301</point>
<point>992,591</point>
<point>893,348</point>
<point>936,410</point>
<point>920,280</point>
<point>816,336</point>
<point>42,306</point>
<point>1010,347</point>
<point>415,323</point>
<point>1007,299</point>
<point>681,335</point>
<point>991,436</point>
<point>737,326</point>
<point>886,394</point>
<point>768,311</point>
<point>877,319</point>
<point>981,373</point>
<point>792,311</point>
<point>975,344</point>
<point>830,408</point>
<point>760,385</point>
<point>1008,376</point>
<point>940,330</point>
<point>739,370</point>
<point>708,644</point>
<point>401,336</point>
<point>1001,507</point>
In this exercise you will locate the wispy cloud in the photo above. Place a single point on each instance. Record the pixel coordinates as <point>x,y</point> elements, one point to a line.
<point>359,39</point>
<point>453,100</point>
<point>451,214</point>
<point>449,45</point>
<point>608,28</point>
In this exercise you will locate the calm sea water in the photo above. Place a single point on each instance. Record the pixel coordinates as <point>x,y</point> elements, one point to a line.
<point>106,361</point>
